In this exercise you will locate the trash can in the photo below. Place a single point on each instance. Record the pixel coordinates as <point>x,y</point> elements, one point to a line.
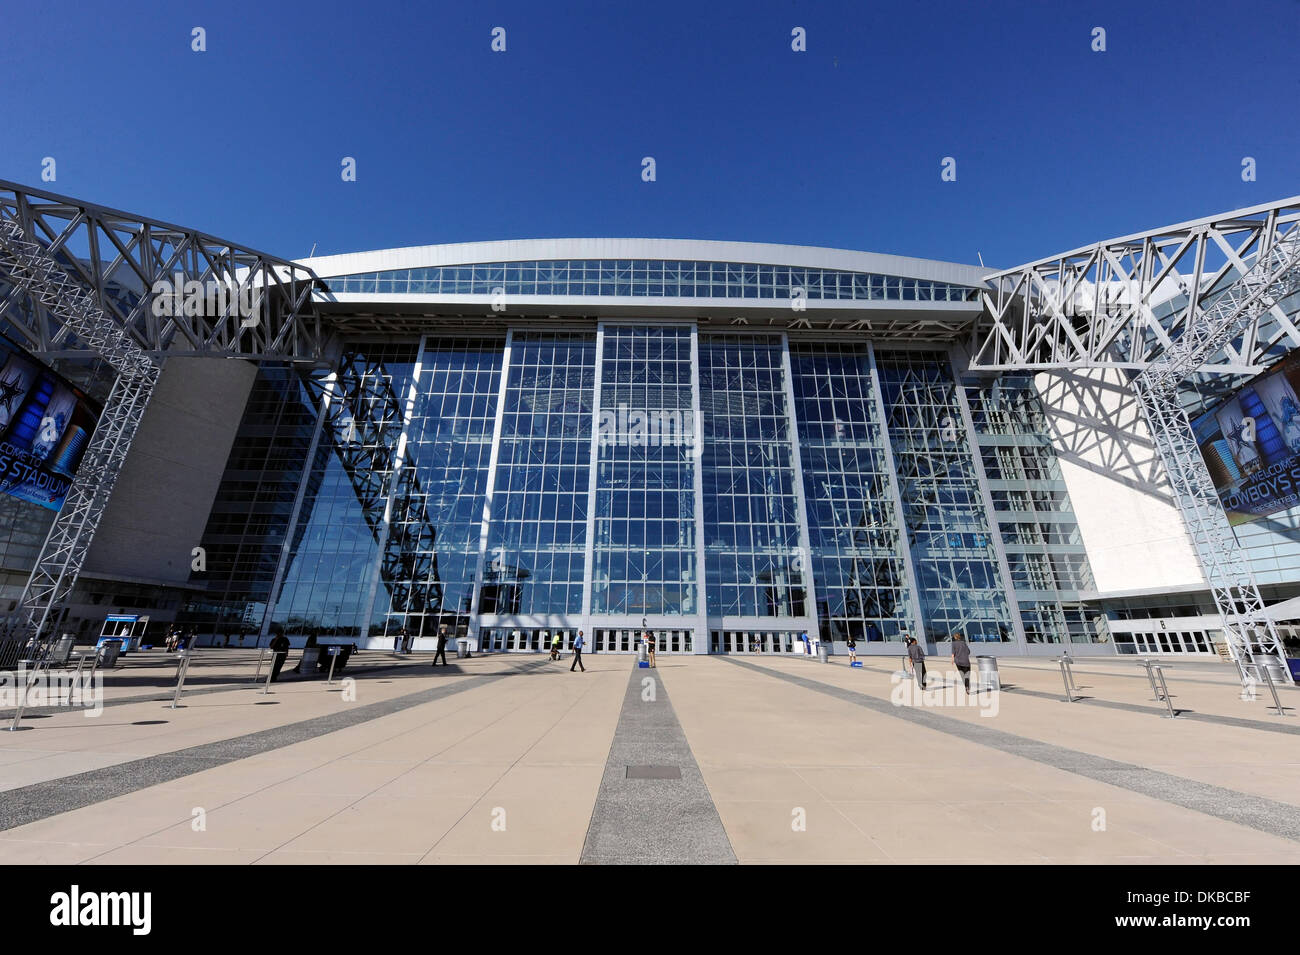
<point>462,648</point>
<point>823,653</point>
<point>988,673</point>
<point>310,660</point>
<point>642,655</point>
<point>108,652</point>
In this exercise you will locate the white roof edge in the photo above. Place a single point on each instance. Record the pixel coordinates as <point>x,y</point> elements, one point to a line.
<point>705,250</point>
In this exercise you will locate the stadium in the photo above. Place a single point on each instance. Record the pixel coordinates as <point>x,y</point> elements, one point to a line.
<point>730,444</point>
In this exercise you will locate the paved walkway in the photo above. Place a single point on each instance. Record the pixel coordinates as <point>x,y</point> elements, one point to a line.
<point>512,758</point>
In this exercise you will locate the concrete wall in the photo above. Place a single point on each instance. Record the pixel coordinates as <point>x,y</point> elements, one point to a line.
<point>161,503</point>
<point>1134,534</point>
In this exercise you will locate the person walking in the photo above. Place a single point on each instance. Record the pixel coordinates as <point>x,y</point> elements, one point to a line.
<point>578,644</point>
<point>650,642</point>
<point>961,658</point>
<point>852,641</point>
<point>555,646</point>
<point>916,660</point>
<point>442,646</point>
<point>280,646</point>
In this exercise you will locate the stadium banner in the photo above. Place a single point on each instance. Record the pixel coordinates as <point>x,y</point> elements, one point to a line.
<point>45,425</point>
<point>1251,444</point>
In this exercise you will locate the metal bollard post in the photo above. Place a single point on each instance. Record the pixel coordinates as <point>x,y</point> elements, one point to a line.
<point>32,676</point>
<point>1268,677</point>
<point>261,655</point>
<point>1160,672</point>
<point>266,689</point>
<point>1069,671</point>
<point>181,670</point>
<point>1155,690</point>
<point>334,655</point>
<point>1069,697</point>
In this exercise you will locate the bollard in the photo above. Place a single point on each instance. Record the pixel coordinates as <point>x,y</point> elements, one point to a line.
<point>1160,672</point>
<point>261,655</point>
<point>1155,690</point>
<point>1069,672</point>
<point>1065,678</point>
<point>266,689</point>
<point>1268,677</point>
<point>182,668</point>
<point>334,655</point>
<point>32,676</point>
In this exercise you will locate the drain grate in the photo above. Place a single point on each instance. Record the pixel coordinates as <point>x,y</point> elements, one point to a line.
<point>654,772</point>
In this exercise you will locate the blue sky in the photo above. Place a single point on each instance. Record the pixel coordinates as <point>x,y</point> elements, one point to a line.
<point>839,146</point>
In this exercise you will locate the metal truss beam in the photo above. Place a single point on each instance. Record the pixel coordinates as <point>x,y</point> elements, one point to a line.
<point>364,421</point>
<point>1122,302</point>
<point>1200,297</point>
<point>1274,275</point>
<point>124,261</point>
<point>32,268</point>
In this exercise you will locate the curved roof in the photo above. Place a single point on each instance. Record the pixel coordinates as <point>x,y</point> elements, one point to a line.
<point>699,250</point>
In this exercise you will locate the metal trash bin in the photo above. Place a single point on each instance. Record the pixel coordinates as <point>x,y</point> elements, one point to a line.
<point>462,648</point>
<point>108,653</point>
<point>310,660</point>
<point>642,654</point>
<point>989,679</point>
<point>823,653</point>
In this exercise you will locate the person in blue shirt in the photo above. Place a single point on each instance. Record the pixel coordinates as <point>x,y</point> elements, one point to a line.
<point>578,644</point>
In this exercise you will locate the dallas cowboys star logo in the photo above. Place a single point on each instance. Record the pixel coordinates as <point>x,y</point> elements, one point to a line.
<point>9,390</point>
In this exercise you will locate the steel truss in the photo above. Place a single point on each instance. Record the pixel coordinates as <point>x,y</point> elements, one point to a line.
<point>1126,304</point>
<point>363,420</point>
<point>65,548</point>
<point>122,259</point>
<point>84,282</point>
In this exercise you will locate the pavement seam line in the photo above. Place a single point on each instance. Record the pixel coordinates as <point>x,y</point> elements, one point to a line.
<point>1269,816</point>
<point>32,803</point>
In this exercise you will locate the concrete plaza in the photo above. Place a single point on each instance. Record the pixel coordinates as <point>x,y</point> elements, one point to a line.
<point>513,758</point>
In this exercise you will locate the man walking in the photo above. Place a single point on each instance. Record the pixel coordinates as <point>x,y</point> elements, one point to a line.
<point>578,644</point>
<point>916,660</point>
<point>555,646</point>
<point>442,646</point>
<point>852,641</point>
<point>280,646</point>
<point>961,658</point>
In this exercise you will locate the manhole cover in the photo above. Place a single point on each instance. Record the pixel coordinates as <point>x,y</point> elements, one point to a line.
<point>654,772</point>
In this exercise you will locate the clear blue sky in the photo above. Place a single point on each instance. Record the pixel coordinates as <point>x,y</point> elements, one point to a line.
<point>839,146</point>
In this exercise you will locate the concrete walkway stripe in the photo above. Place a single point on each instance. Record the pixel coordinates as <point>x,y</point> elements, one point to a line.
<point>640,817</point>
<point>26,804</point>
<point>1266,815</point>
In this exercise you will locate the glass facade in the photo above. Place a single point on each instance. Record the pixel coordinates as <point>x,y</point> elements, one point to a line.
<point>959,582</point>
<point>644,557</point>
<point>1044,548</point>
<point>537,535</point>
<point>652,278</point>
<point>432,548</point>
<point>754,561</point>
<point>857,551</point>
<point>735,489</point>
